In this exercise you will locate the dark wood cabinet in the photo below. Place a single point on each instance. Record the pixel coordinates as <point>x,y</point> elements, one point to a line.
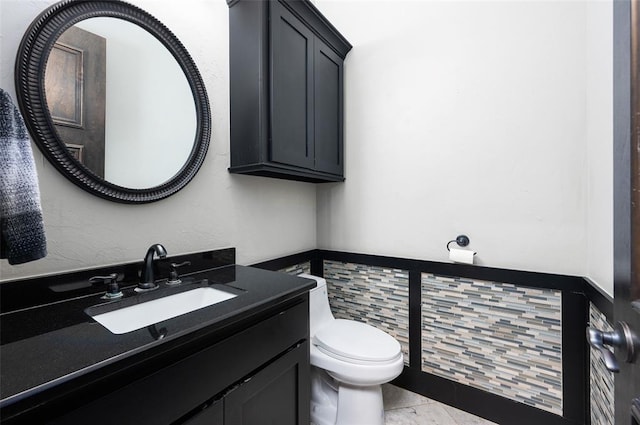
<point>257,375</point>
<point>286,64</point>
<point>274,395</point>
<point>210,414</point>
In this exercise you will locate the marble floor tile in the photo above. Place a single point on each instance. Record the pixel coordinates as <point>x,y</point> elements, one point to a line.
<point>403,407</point>
<point>396,397</point>
<point>424,414</point>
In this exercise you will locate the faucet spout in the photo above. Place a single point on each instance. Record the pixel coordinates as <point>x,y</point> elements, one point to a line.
<point>147,280</point>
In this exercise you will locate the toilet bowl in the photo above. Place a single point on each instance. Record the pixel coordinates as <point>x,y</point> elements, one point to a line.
<point>349,363</point>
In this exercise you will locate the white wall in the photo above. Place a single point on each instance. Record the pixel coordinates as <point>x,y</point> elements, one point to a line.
<point>263,218</point>
<point>599,144</point>
<point>485,118</point>
<point>471,117</point>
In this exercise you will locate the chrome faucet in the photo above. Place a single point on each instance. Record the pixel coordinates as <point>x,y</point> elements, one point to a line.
<point>147,280</point>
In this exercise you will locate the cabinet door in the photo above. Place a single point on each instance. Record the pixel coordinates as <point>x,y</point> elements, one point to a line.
<point>328,109</point>
<point>291,89</point>
<point>210,415</point>
<point>276,395</point>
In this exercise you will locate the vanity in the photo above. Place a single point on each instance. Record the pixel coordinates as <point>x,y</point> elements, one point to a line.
<point>243,356</point>
<point>243,360</point>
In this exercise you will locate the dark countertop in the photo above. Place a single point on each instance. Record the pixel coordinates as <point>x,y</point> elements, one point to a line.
<point>47,345</point>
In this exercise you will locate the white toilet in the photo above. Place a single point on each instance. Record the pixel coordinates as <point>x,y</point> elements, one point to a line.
<point>349,362</point>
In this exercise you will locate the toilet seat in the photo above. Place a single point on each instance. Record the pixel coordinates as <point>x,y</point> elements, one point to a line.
<point>356,342</point>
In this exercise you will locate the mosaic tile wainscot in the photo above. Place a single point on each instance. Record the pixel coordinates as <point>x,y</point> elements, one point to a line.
<point>601,381</point>
<point>498,337</point>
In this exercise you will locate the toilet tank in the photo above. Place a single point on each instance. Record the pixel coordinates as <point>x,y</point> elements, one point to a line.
<point>319,310</point>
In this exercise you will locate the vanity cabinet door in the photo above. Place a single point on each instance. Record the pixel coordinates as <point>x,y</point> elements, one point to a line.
<point>210,415</point>
<point>277,394</point>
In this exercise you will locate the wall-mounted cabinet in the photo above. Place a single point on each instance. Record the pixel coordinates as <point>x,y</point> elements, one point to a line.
<point>286,65</point>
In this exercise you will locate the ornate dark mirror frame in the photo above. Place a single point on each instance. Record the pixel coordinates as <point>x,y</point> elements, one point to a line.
<point>32,57</point>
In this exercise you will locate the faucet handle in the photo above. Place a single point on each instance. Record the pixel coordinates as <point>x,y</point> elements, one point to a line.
<point>174,279</point>
<point>113,290</point>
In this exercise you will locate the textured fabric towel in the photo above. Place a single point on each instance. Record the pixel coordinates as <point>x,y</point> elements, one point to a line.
<point>22,239</point>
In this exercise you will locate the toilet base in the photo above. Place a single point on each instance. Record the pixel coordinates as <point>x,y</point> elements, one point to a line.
<point>324,398</point>
<point>337,403</point>
<point>360,405</point>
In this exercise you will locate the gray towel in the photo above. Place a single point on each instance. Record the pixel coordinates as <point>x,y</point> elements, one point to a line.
<point>22,239</point>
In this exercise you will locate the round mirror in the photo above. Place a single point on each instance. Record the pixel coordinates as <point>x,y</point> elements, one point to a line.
<point>113,100</point>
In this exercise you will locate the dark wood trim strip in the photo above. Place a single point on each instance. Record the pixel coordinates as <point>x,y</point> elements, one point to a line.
<point>594,294</point>
<point>289,260</point>
<point>475,401</point>
<point>415,319</point>
<point>516,277</point>
<point>317,265</point>
<point>575,361</point>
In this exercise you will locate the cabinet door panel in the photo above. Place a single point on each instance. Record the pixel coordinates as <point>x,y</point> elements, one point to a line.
<point>276,395</point>
<point>291,89</point>
<point>328,110</point>
<point>212,415</point>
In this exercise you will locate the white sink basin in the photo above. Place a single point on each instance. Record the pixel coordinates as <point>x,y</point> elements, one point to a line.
<point>141,315</point>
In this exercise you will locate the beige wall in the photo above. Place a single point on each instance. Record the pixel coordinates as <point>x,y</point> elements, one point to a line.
<point>262,218</point>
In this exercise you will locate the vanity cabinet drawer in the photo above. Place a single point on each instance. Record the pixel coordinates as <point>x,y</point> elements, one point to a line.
<point>171,394</point>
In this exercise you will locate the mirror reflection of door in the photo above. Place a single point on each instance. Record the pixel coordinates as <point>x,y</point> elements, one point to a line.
<point>75,85</point>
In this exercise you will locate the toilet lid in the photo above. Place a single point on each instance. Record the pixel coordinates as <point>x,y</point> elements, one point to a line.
<point>357,341</point>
